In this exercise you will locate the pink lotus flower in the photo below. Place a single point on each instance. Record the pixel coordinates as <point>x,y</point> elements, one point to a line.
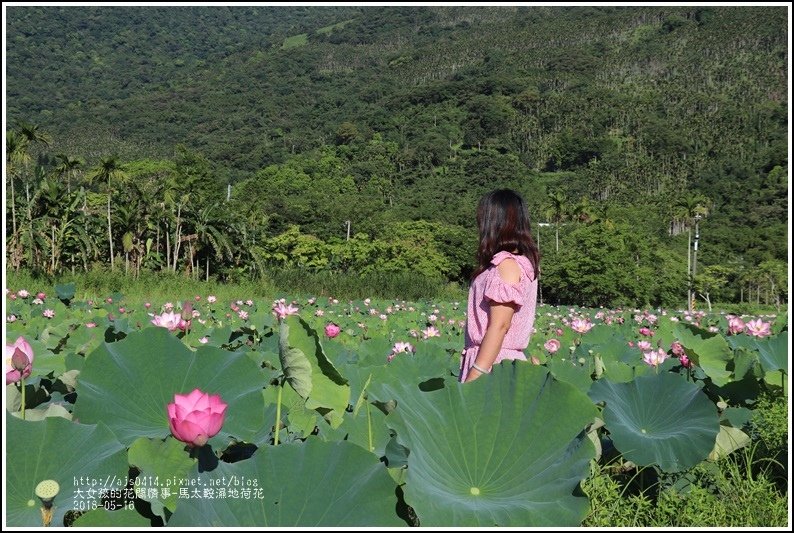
<point>19,360</point>
<point>560,332</point>
<point>147,305</point>
<point>23,293</point>
<point>196,417</point>
<point>647,332</point>
<point>757,328</point>
<point>735,325</point>
<point>332,330</point>
<point>36,301</point>
<point>319,312</point>
<point>535,360</point>
<point>197,298</point>
<point>249,303</point>
<point>552,345</point>
<point>383,317</point>
<point>171,321</point>
<point>655,357</point>
<point>430,331</point>
<point>685,362</point>
<point>41,296</point>
<point>403,347</point>
<point>211,299</point>
<point>204,340</point>
<point>49,313</point>
<point>109,300</point>
<point>90,324</point>
<point>581,325</point>
<point>398,348</point>
<point>644,346</point>
<point>122,310</point>
<point>282,311</point>
<point>243,315</point>
<point>678,349</point>
<point>11,318</point>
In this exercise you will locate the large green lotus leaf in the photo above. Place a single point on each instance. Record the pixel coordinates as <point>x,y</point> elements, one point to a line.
<point>603,335</point>
<point>373,352</point>
<point>666,331</point>
<point>367,429</point>
<point>429,371</point>
<point>309,484</point>
<point>128,385</point>
<point>307,368</point>
<point>507,449</point>
<point>712,353</point>
<point>157,459</point>
<point>658,419</point>
<point>44,411</point>
<point>567,367</point>
<point>728,441</point>
<point>741,341</point>
<point>774,352</point>
<point>119,518</point>
<point>745,361</point>
<point>58,449</point>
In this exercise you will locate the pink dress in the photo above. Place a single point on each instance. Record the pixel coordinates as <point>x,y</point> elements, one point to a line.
<point>489,287</point>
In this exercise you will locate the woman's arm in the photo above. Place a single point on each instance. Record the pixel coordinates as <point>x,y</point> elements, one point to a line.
<point>500,317</point>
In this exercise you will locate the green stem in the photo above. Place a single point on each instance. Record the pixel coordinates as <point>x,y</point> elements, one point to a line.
<point>278,413</point>
<point>22,383</point>
<point>369,429</point>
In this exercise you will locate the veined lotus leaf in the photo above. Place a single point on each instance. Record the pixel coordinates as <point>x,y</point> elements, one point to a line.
<point>659,419</point>
<point>309,484</point>
<point>508,449</point>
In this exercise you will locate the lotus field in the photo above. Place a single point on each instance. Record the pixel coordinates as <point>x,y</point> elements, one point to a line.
<point>319,412</point>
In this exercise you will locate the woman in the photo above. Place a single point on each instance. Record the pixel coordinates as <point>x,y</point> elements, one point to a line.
<point>504,287</point>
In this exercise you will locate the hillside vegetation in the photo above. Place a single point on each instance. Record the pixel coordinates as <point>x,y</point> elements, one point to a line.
<point>618,124</point>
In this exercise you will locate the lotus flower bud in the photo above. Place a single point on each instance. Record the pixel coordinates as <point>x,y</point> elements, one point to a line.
<point>187,310</point>
<point>196,417</point>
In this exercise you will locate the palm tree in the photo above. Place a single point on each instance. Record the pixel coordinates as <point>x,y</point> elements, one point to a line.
<point>557,213</point>
<point>17,157</point>
<point>582,211</point>
<point>110,170</point>
<point>32,133</point>
<point>687,208</point>
<point>212,236</point>
<point>67,166</point>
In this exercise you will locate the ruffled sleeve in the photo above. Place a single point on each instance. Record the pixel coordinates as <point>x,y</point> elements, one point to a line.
<point>498,290</point>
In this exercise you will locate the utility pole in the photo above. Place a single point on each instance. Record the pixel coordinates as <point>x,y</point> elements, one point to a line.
<point>695,259</point>
<point>348,229</point>
<point>540,288</point>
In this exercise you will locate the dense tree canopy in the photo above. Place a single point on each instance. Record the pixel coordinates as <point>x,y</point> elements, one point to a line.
<point>393,121</point>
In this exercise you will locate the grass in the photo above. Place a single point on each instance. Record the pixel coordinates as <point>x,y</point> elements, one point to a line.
<point>295,41</point>
<point>748,488</point>
<point>296,283</point>
<point>332,27</point>
<point>723,495</point>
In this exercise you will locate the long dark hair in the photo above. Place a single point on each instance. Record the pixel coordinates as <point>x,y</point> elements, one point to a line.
<point>503,222</point>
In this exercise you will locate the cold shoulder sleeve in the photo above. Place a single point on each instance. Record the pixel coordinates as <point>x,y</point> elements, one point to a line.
<point>500,291</point>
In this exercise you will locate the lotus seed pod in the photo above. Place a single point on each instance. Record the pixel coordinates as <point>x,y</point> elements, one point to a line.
<point>19,360</point>
<point>46,491</point>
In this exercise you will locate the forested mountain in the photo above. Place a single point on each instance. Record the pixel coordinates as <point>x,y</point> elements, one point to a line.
<point>624,120</point>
